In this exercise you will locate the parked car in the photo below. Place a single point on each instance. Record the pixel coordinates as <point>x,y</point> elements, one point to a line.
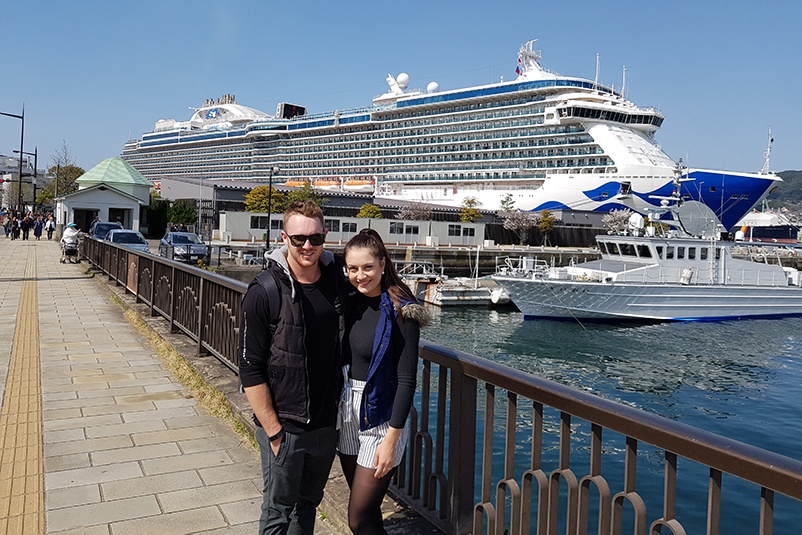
<point>99,229</point>
<point>133,239</point>
<point>184,247</point>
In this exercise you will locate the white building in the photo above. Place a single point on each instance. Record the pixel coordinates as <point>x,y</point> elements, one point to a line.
<point>111,191</point>
<point>251,226</point>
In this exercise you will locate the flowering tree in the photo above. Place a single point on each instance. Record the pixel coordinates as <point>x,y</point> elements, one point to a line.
<point>519,222</point>
<point>617,220</point>
<point>416,211</point>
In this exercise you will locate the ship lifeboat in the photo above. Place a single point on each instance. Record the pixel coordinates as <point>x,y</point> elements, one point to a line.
<point>359,185</point>
<point>296,182</point>
<point>326,183</point>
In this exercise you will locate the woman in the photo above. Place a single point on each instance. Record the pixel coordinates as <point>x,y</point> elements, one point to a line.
<point>38,226</point>
<point>383,329</point>
<point>50,226</point>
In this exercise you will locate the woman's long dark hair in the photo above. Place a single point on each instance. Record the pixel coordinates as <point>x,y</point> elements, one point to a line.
<point>398,291</point>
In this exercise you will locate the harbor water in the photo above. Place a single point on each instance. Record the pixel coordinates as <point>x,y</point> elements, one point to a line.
<point>739,379</point>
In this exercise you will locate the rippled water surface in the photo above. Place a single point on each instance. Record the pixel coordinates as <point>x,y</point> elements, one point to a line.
<point>738,379</point>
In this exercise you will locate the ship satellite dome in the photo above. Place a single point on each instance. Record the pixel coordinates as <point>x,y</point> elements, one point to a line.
<point>433,87</point>
<point>402,80</point>
<point>636,221</point>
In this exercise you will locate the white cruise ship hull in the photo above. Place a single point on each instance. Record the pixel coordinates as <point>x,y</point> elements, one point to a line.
<point>540,141</point>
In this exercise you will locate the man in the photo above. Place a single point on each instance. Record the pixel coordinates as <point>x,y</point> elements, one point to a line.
<point>290,349</point>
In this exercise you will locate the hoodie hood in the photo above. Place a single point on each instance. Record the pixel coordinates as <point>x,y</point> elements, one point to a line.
<point>279,256</point>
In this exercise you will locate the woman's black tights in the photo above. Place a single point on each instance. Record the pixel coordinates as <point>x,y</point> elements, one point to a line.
<point>367,493</point>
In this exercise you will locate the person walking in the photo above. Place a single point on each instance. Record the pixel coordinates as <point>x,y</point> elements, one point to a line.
<point>25,226</point>
<point>15,228</point>
<point>50,226</point>
<point>7,224</point>
<point>383,331</point>
<point>38,227</point>
<point>290,360</point>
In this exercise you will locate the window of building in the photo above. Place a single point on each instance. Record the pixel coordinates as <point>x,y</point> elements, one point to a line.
<point>349,227</point>
<point>469,231</point>
<point>455,230</point>
<point>332,225</point>
<point>396,228</point>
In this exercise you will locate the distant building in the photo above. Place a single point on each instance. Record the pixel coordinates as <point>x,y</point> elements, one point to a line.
<point>9,172</point>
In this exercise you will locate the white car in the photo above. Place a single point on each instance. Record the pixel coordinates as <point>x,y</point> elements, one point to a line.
<point>133,239</point>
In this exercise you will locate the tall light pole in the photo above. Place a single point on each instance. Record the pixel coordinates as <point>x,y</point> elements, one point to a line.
<point>273,169</point>
<point>35,155</point>
<point>21,148</point>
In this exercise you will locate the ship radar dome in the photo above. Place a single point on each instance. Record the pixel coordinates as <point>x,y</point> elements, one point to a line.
<point>403,80</point>
<point>433,87</point>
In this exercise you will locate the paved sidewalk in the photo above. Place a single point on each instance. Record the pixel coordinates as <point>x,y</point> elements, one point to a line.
<point>125,449</point>
<point>97,436</point>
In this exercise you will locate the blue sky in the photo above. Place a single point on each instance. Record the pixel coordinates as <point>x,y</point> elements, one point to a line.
<point>93,73</point>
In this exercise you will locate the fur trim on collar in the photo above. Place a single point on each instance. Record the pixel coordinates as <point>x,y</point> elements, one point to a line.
<point>416,312</point>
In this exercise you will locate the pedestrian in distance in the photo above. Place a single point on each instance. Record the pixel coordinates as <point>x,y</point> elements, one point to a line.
<point>15,228</point>
<point>38,227</point>
<point>50,226</point>
<point>292,330</point>
<point>383,330</point>
<point>25,226</point>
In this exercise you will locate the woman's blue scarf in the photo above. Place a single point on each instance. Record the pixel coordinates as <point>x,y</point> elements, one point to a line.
<point>384,331</point>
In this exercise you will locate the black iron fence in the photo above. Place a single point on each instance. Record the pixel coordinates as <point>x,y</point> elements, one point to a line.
<point>496,450</point>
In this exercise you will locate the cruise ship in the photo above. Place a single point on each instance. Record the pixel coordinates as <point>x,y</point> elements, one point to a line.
<point>540,141</point>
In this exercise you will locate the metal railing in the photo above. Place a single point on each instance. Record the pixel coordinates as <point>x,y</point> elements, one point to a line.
<point>583,451</point>
<point>203,305</point>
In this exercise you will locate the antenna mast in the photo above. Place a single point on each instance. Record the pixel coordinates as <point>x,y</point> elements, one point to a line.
<point>767,156</point>
<point>596,80</point>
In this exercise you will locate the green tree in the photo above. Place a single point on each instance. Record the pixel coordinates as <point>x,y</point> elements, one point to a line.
<point>507,204</point>
<point>157,215</point>
<point>469,212</point>
<point>304,193</point>
<point>258,198</point>
<point>369,211</point>
<point>546,224</point>
<point>62,182</point>
<point>182,211</point>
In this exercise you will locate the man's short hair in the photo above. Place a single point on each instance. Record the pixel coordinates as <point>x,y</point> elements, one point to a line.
<point>305,208</point>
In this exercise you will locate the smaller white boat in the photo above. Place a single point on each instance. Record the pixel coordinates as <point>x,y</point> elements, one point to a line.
<point>687,274</point>
<point>439,290</point>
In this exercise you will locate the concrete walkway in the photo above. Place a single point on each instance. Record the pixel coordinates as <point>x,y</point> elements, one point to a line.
<point>97,436</point>
<point>111,438</point>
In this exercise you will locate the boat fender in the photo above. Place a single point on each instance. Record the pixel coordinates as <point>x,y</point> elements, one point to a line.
<point>685,276</point>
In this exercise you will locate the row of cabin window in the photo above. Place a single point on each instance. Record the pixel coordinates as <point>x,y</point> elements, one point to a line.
<point>668,252</point>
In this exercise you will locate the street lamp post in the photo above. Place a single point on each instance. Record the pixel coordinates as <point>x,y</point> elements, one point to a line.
<point>35,155</point>
<point>273,169</point>
<point>21,148</point>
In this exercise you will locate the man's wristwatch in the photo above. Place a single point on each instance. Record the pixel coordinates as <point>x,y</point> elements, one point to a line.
<point>276,436</point>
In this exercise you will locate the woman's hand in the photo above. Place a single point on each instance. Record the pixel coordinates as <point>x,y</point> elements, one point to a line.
<point>384,460</point>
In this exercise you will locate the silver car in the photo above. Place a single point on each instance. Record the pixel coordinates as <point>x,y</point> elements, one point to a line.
<point>133,239</point>
<point>184,247</point>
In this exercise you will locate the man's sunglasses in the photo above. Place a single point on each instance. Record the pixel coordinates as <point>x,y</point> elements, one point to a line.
<point>298,240</point>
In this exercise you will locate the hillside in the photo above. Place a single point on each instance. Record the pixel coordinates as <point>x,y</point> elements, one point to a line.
<point>789,192</point>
